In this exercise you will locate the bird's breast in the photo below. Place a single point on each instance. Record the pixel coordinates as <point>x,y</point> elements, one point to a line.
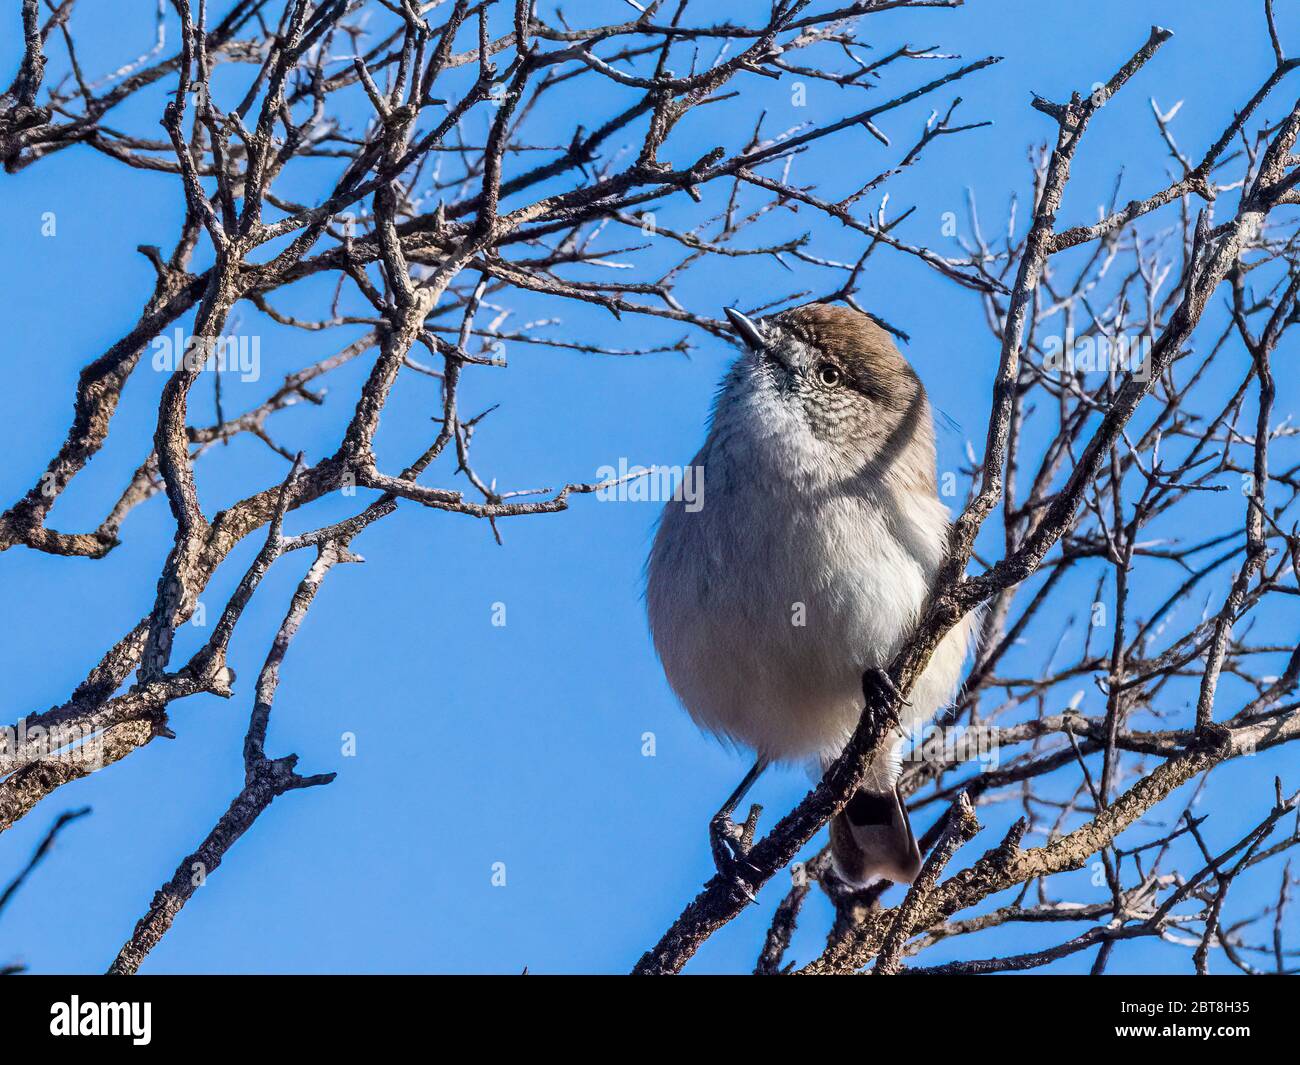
<point>767,603</point>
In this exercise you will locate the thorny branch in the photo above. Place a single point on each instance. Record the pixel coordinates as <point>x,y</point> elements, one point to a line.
<point>1053,516</point>
<point>427,235</point>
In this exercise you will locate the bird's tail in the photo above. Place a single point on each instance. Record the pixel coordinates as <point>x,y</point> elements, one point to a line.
<point>872,837</point>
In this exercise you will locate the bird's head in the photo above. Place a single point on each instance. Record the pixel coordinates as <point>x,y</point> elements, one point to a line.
<point>832,376</point>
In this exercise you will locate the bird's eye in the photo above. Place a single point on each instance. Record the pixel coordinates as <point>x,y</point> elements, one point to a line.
<point>829,374</point>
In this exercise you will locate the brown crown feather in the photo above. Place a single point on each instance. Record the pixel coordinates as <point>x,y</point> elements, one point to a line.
<point>860,346</point>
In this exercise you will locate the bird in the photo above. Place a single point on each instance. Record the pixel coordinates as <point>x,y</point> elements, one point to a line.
<point>773,605</point>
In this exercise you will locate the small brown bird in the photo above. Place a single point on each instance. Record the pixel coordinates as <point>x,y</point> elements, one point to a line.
<point>809,564</point>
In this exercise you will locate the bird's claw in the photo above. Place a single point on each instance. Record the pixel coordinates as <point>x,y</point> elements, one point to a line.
<point>730,844</point>
<point>726,841</point>
<point>738,884</point>
<point>879,689</point>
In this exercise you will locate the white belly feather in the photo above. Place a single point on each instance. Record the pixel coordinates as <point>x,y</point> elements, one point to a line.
<point>768,602</point>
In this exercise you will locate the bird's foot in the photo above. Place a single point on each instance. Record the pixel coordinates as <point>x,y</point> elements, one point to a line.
<point>730,844</point>
<point>1213,735</point>
<point>879,689</point>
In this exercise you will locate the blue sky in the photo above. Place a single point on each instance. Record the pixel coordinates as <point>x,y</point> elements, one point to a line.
<point>518,744</point>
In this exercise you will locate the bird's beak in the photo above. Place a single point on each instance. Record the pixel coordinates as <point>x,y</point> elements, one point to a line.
<point>747,329</point>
